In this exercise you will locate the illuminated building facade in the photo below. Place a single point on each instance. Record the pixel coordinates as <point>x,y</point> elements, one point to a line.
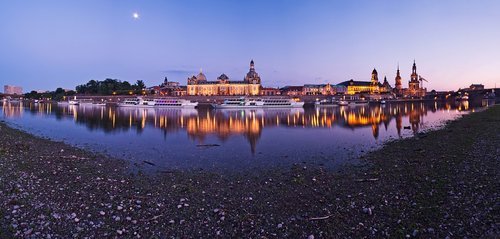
<point>12,90</point>
<point>366,87</point>
<point>414,87</point>
<point>199,85</point>
<point>398,87</point>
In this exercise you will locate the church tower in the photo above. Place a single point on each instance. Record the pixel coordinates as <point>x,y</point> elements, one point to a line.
<point>374,79</point>
<point>414,83</point>
<point>374,85</point>
<point>253,80</point>
<point>398,85</point>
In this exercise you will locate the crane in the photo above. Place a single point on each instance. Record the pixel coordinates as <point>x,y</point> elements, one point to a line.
<point>421,79</point>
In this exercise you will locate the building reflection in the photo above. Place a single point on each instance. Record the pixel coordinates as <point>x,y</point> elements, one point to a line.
<point>223,124</point>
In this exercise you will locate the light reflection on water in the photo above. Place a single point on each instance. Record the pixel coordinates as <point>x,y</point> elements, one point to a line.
<point>231,139</point>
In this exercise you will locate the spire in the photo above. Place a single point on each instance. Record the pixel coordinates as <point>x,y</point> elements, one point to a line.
<point>201,70</point>
<point>252,64</point>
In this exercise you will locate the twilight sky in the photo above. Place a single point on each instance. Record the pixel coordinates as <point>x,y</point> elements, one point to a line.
<point>47,44</point>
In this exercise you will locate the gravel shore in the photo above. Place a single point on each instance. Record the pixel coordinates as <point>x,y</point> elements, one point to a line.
<point>444,183</point>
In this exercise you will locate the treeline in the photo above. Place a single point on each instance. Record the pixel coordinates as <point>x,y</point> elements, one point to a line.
<point>58,94</point>
<point>111,87</point>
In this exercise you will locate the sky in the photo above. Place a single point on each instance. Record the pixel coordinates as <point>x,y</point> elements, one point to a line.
<point>47,44</point>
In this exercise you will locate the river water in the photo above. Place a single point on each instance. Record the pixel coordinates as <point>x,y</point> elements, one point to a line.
<point>233,140</point>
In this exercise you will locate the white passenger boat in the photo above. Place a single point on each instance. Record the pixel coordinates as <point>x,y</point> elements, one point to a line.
<point>358,102</point>
<point>140,102</point>
<point>245,102</point>
<point>343,103</point>
<point>326,103</point>
<point>73,102</point>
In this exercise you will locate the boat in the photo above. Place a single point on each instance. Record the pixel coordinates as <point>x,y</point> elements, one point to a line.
<point>382,102</point>
<point>140,102</point>
<point>343,103</point>
<point>244,102</point>
<point>73,102</point>
<point>326,103</point>
<point>358,102</point>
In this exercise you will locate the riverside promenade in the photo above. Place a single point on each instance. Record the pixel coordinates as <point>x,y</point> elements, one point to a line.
<point>439,184</point>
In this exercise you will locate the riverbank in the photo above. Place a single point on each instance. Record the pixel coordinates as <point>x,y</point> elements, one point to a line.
<point>438,184</point>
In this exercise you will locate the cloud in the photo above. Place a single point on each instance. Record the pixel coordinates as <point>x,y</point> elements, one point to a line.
<point>179,71</point>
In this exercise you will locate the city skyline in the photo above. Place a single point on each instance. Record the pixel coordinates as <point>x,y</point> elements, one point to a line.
<point>56,44</point>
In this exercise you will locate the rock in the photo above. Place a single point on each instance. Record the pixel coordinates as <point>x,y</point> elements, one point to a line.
<point>119,208</point>
<point>310,237</point>
<point>119,232</point>
<point>280,225</point>
<point>102,213</point>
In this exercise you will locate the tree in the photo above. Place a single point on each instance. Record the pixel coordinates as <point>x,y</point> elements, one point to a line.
<point>140,85</point>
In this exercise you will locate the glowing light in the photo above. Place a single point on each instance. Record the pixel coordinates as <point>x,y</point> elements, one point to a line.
<point>135,15</point>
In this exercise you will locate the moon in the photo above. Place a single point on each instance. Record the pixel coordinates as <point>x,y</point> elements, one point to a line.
<point>135,15</point>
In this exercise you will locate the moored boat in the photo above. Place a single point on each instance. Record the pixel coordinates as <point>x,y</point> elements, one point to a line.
<point>343,102</point>
<point>140,102</point>
<point>244,102</point>
<point>358,102</point>
<point>326,103</point>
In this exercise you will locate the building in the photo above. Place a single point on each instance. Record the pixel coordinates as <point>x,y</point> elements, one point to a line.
<point>199,85</point>
<point>321,89</point>
<point>366,87</point>
<point>171,88</point>
<point>398,86</point>
<point>414,87</point>
<point>269,91</point>
<point>12,90</point>
<point>476,87</point>
<point>292,90</point>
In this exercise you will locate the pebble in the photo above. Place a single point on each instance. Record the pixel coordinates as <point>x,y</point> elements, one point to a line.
<point>102,213</point>
<point>119,208</point>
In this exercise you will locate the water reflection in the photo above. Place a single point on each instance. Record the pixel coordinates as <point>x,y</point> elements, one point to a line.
<point>249,122</point>
<point>227,122</point>
<point>293,134</point>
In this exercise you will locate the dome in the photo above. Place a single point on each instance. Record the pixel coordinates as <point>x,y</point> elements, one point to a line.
<point>201,77</point>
